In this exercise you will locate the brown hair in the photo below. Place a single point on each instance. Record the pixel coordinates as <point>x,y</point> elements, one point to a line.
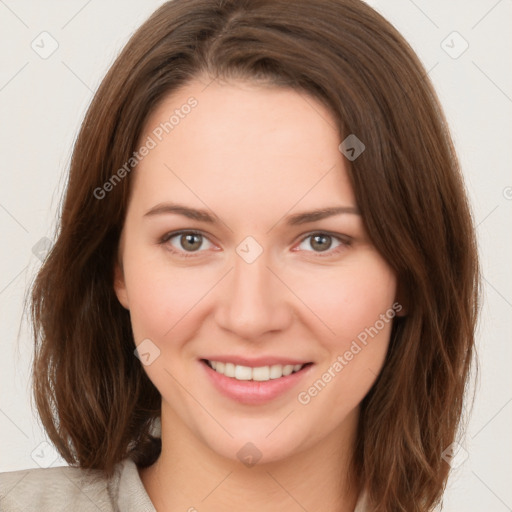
<point>93,396</point>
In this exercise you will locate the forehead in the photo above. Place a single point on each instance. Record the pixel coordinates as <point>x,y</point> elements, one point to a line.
<point>241,138</point>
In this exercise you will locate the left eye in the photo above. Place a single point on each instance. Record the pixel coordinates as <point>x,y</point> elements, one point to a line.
<point>322,242</point>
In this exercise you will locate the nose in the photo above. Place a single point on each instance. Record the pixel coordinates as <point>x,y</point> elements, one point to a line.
<point>253,301</point>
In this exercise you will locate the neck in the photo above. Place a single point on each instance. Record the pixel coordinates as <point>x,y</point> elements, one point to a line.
<point>189,476</point>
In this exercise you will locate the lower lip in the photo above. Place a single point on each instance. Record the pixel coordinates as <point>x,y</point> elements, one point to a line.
<point>254,392</point>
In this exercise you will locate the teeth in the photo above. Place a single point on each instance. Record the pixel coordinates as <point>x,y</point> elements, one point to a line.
<point>288,369</point>
<point>260,373</point>
<point>229,370</point>
<point>276,371</point>
<point>243,373</point>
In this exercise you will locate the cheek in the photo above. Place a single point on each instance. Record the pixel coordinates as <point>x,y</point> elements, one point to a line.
<point>357,304</point>
<point>162,298</point>
<point>348,299</point>
<point>344,300</point>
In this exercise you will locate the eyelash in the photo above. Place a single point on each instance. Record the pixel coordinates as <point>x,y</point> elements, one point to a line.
<point>344,243</point>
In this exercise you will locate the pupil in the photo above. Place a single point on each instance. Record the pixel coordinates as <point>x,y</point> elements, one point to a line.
<point>189,240</point>
<point>322,246</point>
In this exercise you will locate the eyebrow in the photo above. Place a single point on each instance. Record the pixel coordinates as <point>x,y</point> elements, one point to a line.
<point>292,220</point>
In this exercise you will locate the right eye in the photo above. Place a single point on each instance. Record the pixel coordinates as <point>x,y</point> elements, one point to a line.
<point>183,242</point>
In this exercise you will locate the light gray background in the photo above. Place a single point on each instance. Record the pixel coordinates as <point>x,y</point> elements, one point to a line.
<point>42,103</point>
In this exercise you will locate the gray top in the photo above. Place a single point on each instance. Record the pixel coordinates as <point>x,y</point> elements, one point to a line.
<point>66,488</point>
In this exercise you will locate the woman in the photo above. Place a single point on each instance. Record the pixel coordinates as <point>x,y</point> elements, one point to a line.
<point>266,245</point>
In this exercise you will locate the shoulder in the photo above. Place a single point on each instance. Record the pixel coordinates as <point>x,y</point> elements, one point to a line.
<point>362,502</point>
<point>60,488</point>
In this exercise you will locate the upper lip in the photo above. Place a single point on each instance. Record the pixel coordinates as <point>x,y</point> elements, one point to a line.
<point>257,361</point>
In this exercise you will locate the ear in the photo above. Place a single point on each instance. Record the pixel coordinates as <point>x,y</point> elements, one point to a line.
<point>120,285</point>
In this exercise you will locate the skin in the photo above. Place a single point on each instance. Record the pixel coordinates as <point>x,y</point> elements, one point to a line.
<point>251,155</point>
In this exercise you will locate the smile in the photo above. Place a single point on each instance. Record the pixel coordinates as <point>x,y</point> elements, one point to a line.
<point>259,373</point>
<point>254,385</point>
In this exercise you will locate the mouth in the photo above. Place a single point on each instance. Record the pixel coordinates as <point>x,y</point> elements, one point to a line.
<point>254,385</point>
<point>258,373</point>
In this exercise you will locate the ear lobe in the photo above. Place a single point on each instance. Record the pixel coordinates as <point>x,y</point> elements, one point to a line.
<point>120,286</point>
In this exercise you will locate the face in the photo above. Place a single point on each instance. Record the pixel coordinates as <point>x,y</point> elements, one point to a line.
<point>221,267</point>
